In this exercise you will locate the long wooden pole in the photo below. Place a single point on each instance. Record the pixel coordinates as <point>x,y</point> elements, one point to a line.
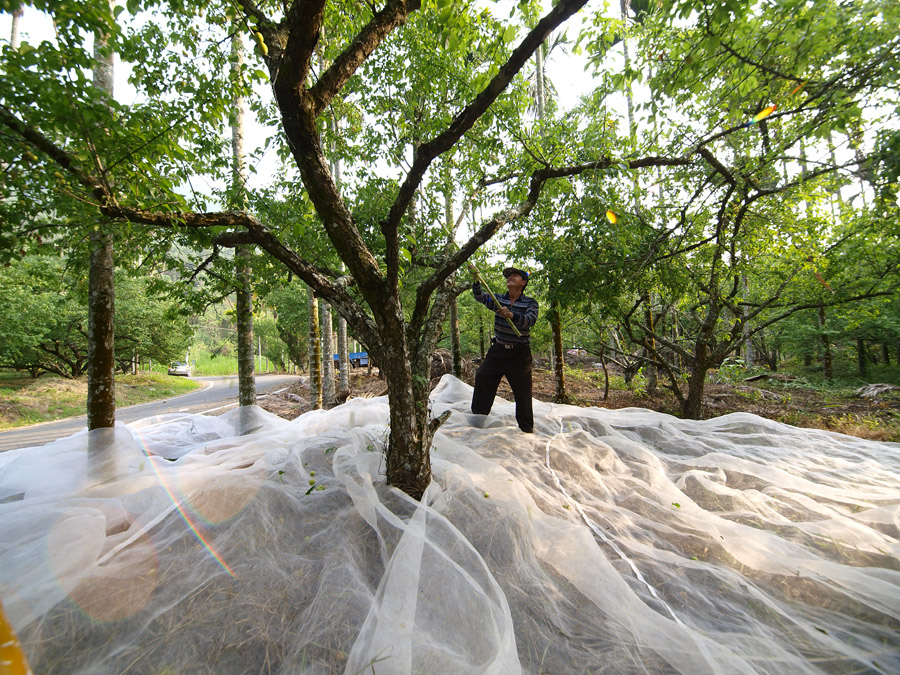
<point>480,280</point>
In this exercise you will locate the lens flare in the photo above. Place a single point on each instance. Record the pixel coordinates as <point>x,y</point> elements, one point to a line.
<point>153,461</point>
<point>612,217</point>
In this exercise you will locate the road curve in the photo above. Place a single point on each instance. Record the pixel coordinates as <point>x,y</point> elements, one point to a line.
<point>215,395</point>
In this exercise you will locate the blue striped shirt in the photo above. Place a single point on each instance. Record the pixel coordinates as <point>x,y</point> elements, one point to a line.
<point>525,313</point>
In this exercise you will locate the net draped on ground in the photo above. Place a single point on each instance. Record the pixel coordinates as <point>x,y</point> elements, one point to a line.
<point>622,541</point>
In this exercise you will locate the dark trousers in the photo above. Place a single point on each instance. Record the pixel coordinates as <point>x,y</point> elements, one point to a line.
<point>515,364</point>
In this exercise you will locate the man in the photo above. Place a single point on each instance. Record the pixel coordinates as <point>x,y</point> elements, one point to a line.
<point>510,354</point>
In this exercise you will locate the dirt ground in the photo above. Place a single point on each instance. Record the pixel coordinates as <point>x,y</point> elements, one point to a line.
<point>773,397</point>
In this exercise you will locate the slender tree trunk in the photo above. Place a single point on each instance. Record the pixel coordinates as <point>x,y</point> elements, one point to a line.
<point>344,352</point>
<point>559,374</point>
<point>455,344</point>
<point>101,395</point>
<point>343,349</point>
<point>885,354</point>
<point>315,351</point>
<point>327,356</point>
<point>748,344</point>
<point>861,357</point>
<point>605,372</point>
<point>101,399</point>
<point>826,346</point>
<point>14,28</point>
<point>244,312</point>
<point>244,303</point>
<point>650,368</point>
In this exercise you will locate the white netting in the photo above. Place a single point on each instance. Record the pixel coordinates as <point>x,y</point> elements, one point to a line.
<point>609,541</point>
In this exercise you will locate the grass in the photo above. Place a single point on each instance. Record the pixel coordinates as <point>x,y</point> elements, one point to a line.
<point>25,401</point>
<point>205,366</point>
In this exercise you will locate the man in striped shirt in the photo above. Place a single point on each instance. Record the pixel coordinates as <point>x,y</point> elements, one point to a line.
<point>510,354</point>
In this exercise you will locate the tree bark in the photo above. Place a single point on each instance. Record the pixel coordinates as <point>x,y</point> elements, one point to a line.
<point>693,403</point>
<point>885,354</point>
<point>315,351</point>
<point>14,28</point>
<point>244,303</point>
<point>343,349</point>
<point>650,368</point>
<point>101,395</point>
<point>559,375</point>
<point>244,312</point>
<point>826,346</point>
<point>861,357</point>
<point>327,357</point>
<point>455,344</point>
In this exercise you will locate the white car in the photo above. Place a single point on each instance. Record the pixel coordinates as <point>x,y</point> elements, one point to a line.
<point>180,368</point>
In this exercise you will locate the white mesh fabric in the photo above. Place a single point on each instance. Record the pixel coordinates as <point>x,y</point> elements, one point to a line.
<point>609,541</point>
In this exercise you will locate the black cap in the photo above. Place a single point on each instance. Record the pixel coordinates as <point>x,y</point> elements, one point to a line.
<point>515,270</point>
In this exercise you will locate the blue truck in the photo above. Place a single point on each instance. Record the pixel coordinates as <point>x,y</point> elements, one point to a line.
<point>357,359</point>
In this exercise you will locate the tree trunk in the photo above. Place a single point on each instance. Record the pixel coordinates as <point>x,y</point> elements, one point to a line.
<point>327,357</point>
<point>343,349</point>
<point>315,351</point>
<point>885,354</point>
<point>14,28</point>
<point>605,372</point>
<point>826,346</point>
<point>101,394</point>
<point>861,357</point>
<point>408,462</point>
<point>244,303</point>
<point>244,317</point>
<point>455,346</point>
<point>344,352</point>
<point>650,368</point>
<point>559,374</point>
<point>749,356</point>
<point>693,403</point>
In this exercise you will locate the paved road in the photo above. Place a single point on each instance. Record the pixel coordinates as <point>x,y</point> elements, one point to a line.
<point>216,395</point>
